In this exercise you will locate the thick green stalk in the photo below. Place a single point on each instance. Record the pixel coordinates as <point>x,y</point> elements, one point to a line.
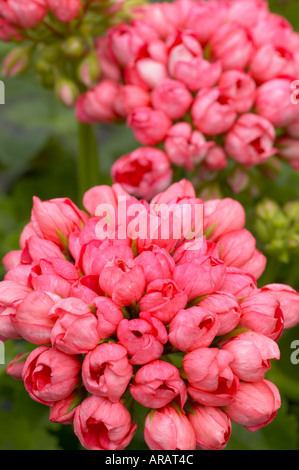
<point>88,163</point>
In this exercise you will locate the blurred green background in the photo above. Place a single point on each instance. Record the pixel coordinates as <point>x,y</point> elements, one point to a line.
<point>38,149</point>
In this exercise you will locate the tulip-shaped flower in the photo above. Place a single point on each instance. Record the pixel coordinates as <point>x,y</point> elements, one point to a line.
<point>101,424</point>
<point>143,338</point>
<point>56,218</point>
<point>200,277</point>
<point>163,300</point>
<point>252,353</point>
<point>227,308</point>
<point>32,318</point>
<point>211,425</point>
<point>193,328</point>
<point>255,405</point>
<point>288,300</point>
<point>261,312</point>
<point>123,281</point>
<point>106,371</point>
<point>211,379</point>
<point>179,435</point>
<point>76,327</point>
<point>157,384</point>
<point>50,375</point>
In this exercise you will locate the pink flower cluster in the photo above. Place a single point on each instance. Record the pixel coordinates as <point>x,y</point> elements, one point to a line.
<point>110,318</point>
<point>207,79</point>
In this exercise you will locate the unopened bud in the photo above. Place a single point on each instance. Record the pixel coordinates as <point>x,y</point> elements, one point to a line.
<point>267,210</point>
<point>89,70</point>
<point>16,62</point>
<point>291,210</point>
<point>66,91</point>
<point>73,47</point>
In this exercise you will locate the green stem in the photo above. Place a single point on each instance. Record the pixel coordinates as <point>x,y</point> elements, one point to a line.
<point>88,164</point>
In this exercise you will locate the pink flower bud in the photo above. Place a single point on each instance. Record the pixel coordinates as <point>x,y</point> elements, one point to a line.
<point>269,62</point>
<point>201,277</point>
<point>50,375</point>
<point>238,283</point>
<point>157,384</point>
<point>55,276</point>
<point>179,436</point>
<point>248,12</point>
<point>37,248</point>
<point>255,405</point>
<point>236,247</point>
<point>197,73</point>
<point>123,281</point>
<point>145,72</point>
<point>163,300</point>
<point>129,98</point>
<point>32,319</point>
<point>212,427</point>
<point>256,265</point>
<point>89,71</point>
<point>144,172</point>
<point>101,424</point>
<point>106,371</point>
<point>232,44</point>
<point>227,308</point>
<point>211,380</point>
<point>56,217</point>
<point>16,366</point>
<point>252,353</point>
<point>172,97</point>
<point>222,216</point>
<point>261,313</point>
<point>66,91</point>
<point>193,328</point>
<point>156,262</point>
<point>65,10</point>
<point>7,327</point>
<point>210,115</point>
<point>86,289</point>
<point>12,293</point>
<point>149,126</point>
<point>185,147</point>
<point>238,89</point>
<point>75,330</point>
<point>25,13</point>
<point>288,300</point>
<point>63,411</point>
<point>16,62</point>
<point>123,43</point>
<point>250,141</point>
<point>273,102</point>
<point>215,158</point>
<point>95,254</point>
<point>97,104</point>
<point>206,18</point>
<point>109,316</point>
<point>143,338</point>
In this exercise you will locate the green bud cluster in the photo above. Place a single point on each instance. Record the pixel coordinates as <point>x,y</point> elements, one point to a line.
<point>278,228</point>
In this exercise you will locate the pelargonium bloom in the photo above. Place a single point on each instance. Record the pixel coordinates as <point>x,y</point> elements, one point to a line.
<point>222,68</point>
<point>171,322</point>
